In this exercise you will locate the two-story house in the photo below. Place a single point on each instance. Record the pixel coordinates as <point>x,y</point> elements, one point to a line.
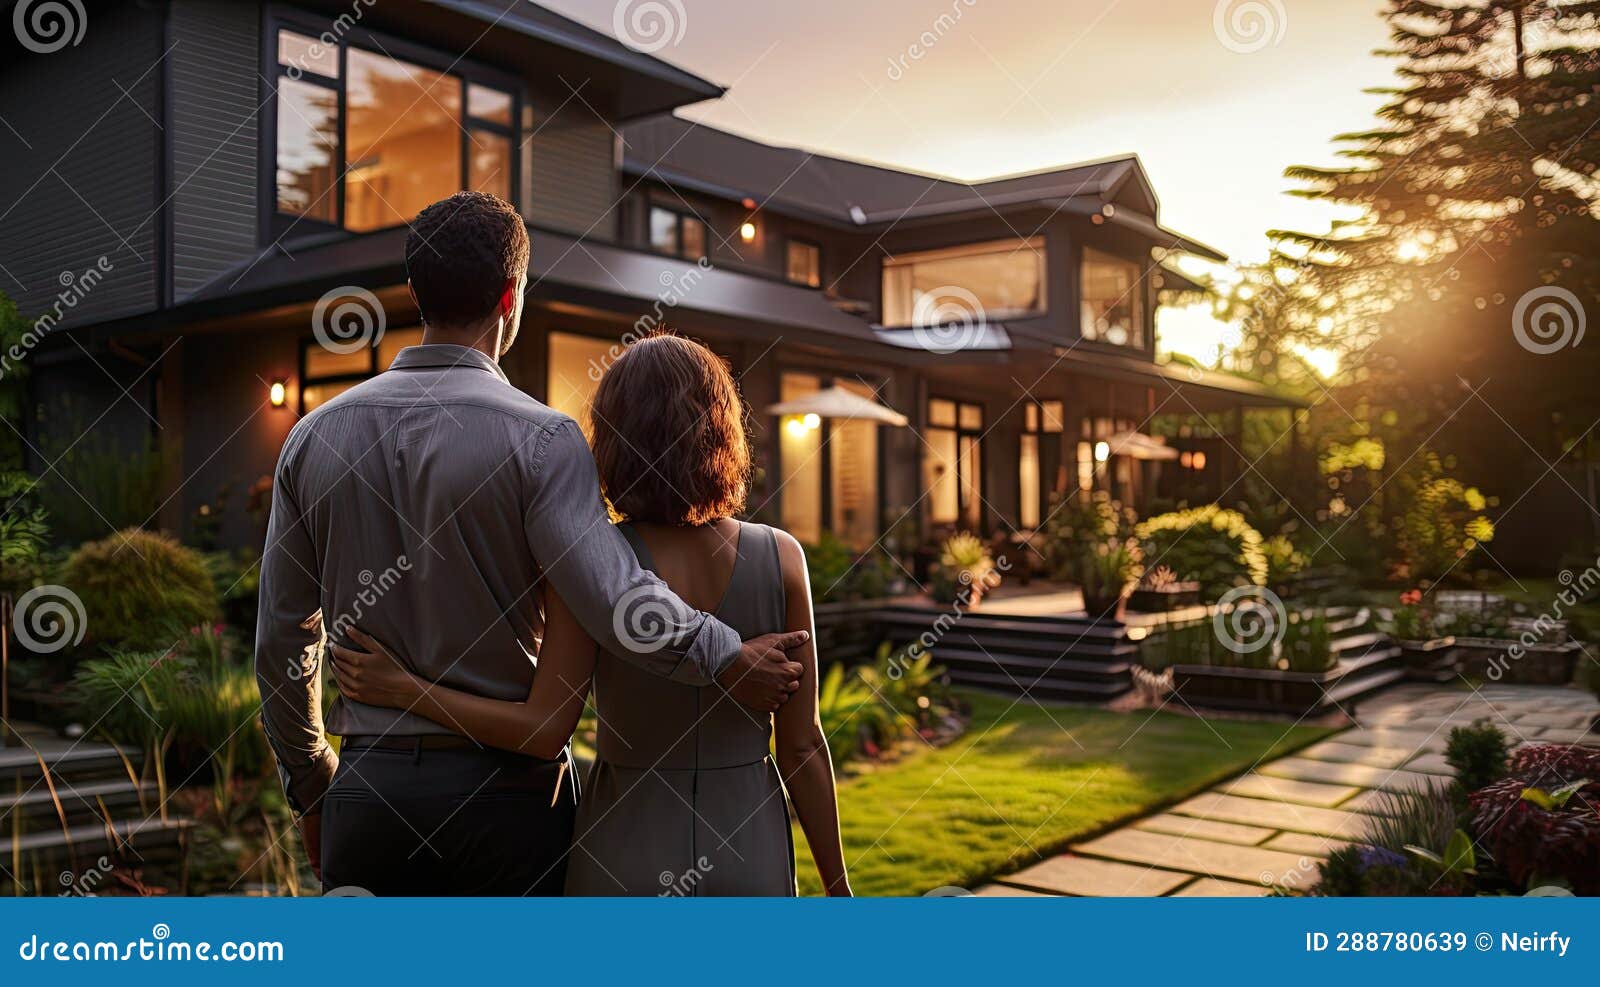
<point>207,202</point>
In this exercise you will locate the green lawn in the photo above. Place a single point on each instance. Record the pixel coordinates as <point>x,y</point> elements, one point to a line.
<point>1022,782</point>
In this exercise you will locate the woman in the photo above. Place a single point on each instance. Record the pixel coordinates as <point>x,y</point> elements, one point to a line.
<point>684,797</point>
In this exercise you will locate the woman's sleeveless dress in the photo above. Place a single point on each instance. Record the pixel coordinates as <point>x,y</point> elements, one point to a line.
<point>684,798</point>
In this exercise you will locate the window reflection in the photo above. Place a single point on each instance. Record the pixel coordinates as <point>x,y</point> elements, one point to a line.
<point>1112,308</point>
<point>1004,278</point>
<point>489,157</point>
<point>402,139</point>
<point>308,146</point>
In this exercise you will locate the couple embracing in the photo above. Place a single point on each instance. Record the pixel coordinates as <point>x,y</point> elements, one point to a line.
<point>461,682</point>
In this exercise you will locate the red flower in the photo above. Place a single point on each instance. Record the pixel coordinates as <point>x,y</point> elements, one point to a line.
<point>1411,597</point>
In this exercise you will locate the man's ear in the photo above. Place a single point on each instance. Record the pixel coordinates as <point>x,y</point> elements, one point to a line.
<point>411,289</point>
<point>508,298</point>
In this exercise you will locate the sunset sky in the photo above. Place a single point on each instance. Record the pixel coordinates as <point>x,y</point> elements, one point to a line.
<point>1017,85</point>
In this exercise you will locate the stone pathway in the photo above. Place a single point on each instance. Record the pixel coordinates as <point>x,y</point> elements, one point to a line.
<point>1273,826</point>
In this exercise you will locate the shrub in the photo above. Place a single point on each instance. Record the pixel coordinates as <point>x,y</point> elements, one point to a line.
<point>1284,561</point>
<point>909,684</point>
<point>1076,522</point>
<point>850,714</point>
<point>1442,523</point>
<point>1539,822</point>
<point>1410,847</point>
<point>141,590</point>
<point>1107,570</point>
<point>193,700</point>
<point>1477,754</point>
<point>1210,544</point>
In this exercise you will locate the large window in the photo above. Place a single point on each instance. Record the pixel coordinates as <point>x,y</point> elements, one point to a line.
<point>676,233</point>
<point>1039,459</point>
<point>327,373</point>
<point>803,263</point>
<point>1005,278</point>
<point>829,468</point>
<point>953,462</point>
<point>1113,300</point>
<point>365,139</point>
<point>576,363</point>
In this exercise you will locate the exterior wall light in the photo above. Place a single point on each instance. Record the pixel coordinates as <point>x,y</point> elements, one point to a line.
<point>747,231</point>
<point>1102,451</point>
<point>278,392</point>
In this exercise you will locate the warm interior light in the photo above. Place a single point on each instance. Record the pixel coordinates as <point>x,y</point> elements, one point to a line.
<point>747,231</point>
<point>798,426</point>
<point>278,393</point>
<point>1186,460</point>
<point>1199,460</point>
<point>812,422</point>
<point>1102,451</point>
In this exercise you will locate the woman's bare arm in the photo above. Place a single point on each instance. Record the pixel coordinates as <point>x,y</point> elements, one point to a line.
<point>802,748</point>
<point>540,726</point>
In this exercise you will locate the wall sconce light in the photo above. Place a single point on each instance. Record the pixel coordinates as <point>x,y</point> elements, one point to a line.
<point>1199,460</point>
<point>800,425</point>
<point>1186,460</point>
<point>278,392</point>
<point>747,231</point>
<point>1102,451</point>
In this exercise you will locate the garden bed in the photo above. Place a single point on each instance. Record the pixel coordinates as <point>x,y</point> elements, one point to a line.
<point>1515,663</point>
<point>1434,660</point>
<point>1297,694</point>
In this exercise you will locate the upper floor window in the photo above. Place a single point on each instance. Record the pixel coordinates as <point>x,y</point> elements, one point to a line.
<point>1113,300</point>
<point>803,263</point>
<point>366,140</point>
<point>673,232</point>
<point>1004,277</point>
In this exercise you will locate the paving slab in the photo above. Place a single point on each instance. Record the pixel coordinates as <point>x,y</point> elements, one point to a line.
<point>1001,891</point>
<point>1206,829</point>
<point>1227,860</point>
<point>1260,786</point>
<point>1372,801</point>
<point>1305,843</point>
<point>1561,721</point>
<point>1082,876</point>
<point>1553,736</point>
<point>1361,775</point>
<point>1211,887</point>
<point>1433,764</point>
<point>1411,740</point>
<point>1274,815</point>
<point>1375,755</point>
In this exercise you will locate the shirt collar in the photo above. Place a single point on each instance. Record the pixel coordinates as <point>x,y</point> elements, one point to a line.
<point>445,356</point>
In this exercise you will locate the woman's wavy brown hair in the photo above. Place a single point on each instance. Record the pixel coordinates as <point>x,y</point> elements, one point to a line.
<point>668,431</point>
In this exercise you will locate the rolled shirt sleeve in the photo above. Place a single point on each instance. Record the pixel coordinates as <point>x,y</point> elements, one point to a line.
<point>288,660</point>
<point>628,611</point>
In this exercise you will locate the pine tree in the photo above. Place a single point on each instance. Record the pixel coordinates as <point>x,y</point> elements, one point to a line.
<point>1461,286</point>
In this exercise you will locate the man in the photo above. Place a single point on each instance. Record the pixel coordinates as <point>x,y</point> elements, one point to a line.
<point>427,505</point>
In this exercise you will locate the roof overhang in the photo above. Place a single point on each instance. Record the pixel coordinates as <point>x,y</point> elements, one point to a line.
<point>636,84</point>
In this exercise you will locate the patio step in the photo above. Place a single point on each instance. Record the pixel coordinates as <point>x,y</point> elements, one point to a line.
<point>34,807</point>
<point>49,862</point>
<point>79,760</point>
<point>1046,657</point>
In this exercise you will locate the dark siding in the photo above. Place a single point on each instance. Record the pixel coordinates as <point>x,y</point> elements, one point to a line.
<point>574,174</point>
<point>215,130</point>
<point>79,166</point>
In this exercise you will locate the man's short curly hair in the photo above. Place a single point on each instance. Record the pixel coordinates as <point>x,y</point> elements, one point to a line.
<point>669,438</point>
<point>459,255</point>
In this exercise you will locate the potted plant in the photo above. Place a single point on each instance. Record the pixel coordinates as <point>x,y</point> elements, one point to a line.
<point>1107,571</point>
<point>1429,656</point>
<point>966,570</point>
<point>1160,590</point>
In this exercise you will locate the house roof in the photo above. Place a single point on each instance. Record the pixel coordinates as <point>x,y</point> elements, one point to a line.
<point>560,265</point>
<point>843,192</point>
<point>643,84</point>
